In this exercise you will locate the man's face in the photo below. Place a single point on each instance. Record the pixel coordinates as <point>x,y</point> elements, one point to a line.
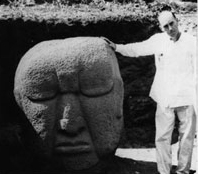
<point>169,24</point>
<point>72,93</point>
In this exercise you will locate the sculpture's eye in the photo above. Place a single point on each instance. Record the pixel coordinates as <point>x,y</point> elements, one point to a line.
<point>41,87</point>
<point>95,87</point>
<point>40,95</point>
<point>93,82</point>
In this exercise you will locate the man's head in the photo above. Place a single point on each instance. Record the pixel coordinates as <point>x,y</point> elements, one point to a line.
<point>169,24</point>
<point>72,93</point>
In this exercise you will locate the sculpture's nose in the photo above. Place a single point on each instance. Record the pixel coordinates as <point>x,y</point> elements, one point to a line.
<point>72,121</point>
<point>72,126</point>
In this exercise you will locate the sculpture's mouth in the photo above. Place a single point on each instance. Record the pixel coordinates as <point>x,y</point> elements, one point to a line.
<point>72,148</point>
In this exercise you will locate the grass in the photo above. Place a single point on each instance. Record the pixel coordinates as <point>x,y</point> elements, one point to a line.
<point>85,13</point>
<point>77,12</point>
<point>96,10</point>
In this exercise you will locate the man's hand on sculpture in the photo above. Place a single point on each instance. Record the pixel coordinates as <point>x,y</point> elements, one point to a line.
<point>111,44</point>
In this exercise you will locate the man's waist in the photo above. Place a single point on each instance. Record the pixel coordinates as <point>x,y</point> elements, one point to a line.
<point>168,80</point>
<point>173,100</point>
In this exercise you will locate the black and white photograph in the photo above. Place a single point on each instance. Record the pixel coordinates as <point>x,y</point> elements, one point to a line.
<point>98,87</point>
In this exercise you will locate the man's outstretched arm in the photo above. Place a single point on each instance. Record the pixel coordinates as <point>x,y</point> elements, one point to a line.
<point>144,48</point>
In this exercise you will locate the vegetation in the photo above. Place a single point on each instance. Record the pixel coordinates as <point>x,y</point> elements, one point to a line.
<point>93,12</point>
<point>87,11</point>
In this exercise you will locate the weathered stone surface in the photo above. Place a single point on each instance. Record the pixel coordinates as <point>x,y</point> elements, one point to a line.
<point>72,93</point>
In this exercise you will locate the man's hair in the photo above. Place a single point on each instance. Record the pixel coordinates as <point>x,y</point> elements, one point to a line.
<point>166,8</point>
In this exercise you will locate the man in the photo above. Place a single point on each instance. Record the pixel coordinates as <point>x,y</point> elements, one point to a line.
<point>173,88</point>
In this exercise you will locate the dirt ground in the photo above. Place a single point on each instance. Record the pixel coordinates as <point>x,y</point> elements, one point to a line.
<point>147,155</point>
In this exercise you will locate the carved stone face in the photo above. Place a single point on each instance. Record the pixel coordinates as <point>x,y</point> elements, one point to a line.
<point>72,93</point>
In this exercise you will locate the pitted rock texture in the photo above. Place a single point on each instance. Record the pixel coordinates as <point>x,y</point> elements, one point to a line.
<point>72,93</point>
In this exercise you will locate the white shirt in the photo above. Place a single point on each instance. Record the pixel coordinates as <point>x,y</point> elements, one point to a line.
<point>174,84</point>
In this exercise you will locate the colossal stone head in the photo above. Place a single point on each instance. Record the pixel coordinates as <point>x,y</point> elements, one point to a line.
<point>72,93</point>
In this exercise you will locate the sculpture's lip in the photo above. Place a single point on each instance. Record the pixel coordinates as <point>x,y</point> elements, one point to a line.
<point>70,148</point>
